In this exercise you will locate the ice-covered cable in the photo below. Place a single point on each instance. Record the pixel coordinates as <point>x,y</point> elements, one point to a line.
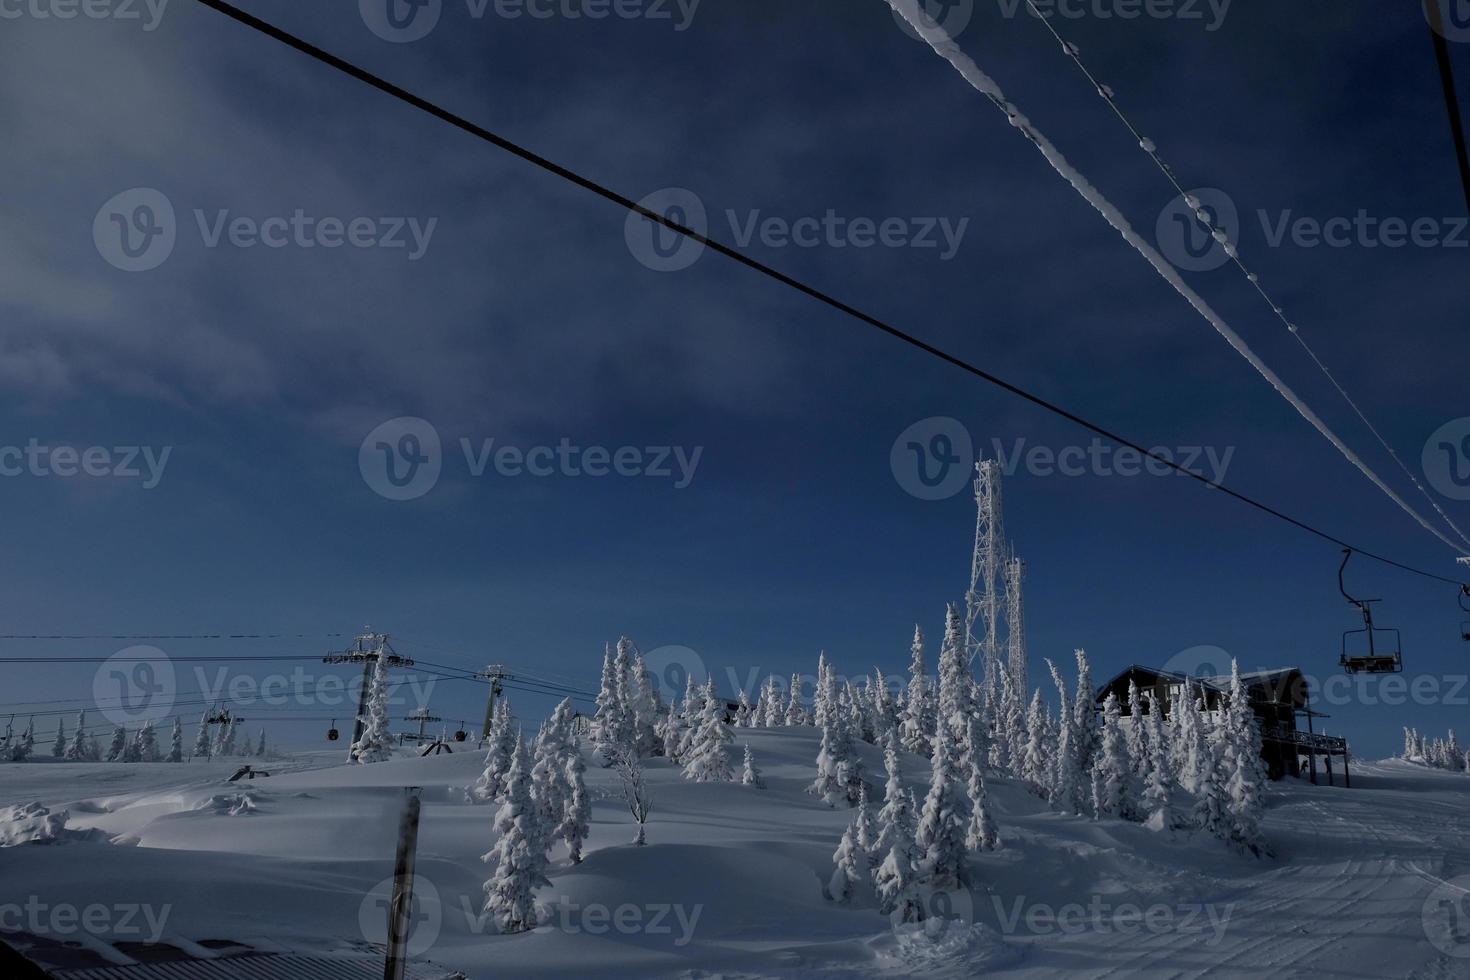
<point>1232,251</point>
<point>943,45</point>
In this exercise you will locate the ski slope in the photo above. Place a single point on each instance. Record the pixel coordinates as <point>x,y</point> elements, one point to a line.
<point>730,885</point>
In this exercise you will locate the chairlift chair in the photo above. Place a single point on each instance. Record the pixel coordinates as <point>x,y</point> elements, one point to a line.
<point>1381,657</point>
<point>332,734</point>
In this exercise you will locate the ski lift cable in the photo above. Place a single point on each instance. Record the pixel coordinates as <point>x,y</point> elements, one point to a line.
<point>1150,148</point>
<point>943,45</point>
<point>170,636</point>
<point>474,129</point>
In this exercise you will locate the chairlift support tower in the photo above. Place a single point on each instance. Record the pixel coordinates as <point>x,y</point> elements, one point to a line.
<point>366,650</point>
<point>495,674</point>
<point>983,602</point>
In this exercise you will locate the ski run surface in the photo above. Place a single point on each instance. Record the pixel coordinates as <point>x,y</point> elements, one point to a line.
<point>731,882</point>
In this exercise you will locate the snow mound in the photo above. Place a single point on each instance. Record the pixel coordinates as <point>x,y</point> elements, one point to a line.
<point>31,823</point>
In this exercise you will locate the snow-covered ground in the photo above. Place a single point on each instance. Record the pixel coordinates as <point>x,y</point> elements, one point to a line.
<point>1362,884</point>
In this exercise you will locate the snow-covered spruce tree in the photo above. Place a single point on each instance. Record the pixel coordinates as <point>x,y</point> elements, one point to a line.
<point>1066,782</point>
<point>744,714</point>
<point>900,882</point>
<point>942,824</point>
<point>608,717</point>
<point>709,757</point>
<point>647,708</point>
<point>623,684</point>
<point>980,831</point>
<point>1114,768</point>
<point>576,821</point>
<point>1211,805</point>
<point>1244,774</point>
<point>499,749</point>
<point>1134,729</point>
<point>1409,744</point>
<point>201,741</point>
<point>955,701</point>
<point>795,712</point>
<point>119,746</point>
<point>1035,758</point>
<point>772,715</point>
<point>519,855</point>
<point>145,744</point>
<point>750,775</point>
<point>1000,713</point>
<point>918,709</point>
<point>868,836</point>
<point>825,698</point>
<point>691,714</point>
<point>76,750</point>
<point>1158,787</point>
<point>1084,715</point>
<point>885,710</point>
<point>892,791</point>
<point>1015,727</point>
<point>58,747</point>
<point>672,734</point>
<point>1194,751</point>
<point>850,771</point>
<point>176,742</point>
<point>828,782</point>
<point>25,745</point>
<point>231,734</point>
<point>850,866</point>
<point>376,744</point>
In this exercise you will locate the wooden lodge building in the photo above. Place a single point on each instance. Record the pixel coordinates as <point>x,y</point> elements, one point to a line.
<point>1279,699</point>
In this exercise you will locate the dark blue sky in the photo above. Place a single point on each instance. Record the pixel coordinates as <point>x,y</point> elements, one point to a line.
<point>528,320</point>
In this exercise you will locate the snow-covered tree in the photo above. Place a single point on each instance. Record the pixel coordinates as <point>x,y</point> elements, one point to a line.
<point>1159,774</point>
<point>955,696</point>
<point>771,714</point>
<point>607,720</point>
<point>1212,805</point>
<point>900,881</point>
<point>1134,731</point>
<point>647,708</point>
<point>119,747</point>
<point>1035,757</point>
<point>744,714</point>
<point>980,830</point>
<point>795,711</point>
<point>636,794</point>
<point>176,742</point>
<point>21,749</point>
<point>1113,767</point>
<point>919,707</point>
<point>1244,776</point>
<point>868,836</point>
<point>1084,715</point>
<point>76,751</point>
<point>941,831</point>
<point>1194,755</point>
<point>58,747</point>
<point>673,735</point>
<point>576,822</point>
<point>1066,780</point>
<point>884,710</point>
<point>519,855</point>
<point>850,866</point>
<point>145,743</point>
<point>499,751</point>
<point>839,770</point>
<point>749,774</point>
<point>201,741</point>
<point>376,743</point>
<point>824,698</point>
<point>708,757</point>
